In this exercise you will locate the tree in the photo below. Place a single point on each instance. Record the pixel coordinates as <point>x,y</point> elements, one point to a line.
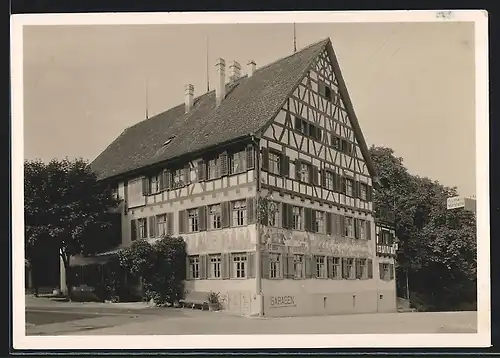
<point>66,208</point>
<point>437,246</point>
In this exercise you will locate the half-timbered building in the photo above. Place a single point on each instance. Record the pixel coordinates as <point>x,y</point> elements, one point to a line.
<point>269,180</point>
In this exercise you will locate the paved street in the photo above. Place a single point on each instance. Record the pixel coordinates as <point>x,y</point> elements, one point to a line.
<point>45,317</point>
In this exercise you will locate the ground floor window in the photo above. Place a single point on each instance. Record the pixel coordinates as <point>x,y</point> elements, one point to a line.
<point>274,266</point>
<point>215,261</point>
<point>194,267</point>
<point>239,265</point>
<point>298,266</point>
<point>320,267</point>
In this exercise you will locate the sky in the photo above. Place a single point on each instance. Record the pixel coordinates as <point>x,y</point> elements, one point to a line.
<point>411,84</point>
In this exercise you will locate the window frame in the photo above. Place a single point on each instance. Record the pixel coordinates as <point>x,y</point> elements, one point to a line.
<point>242,209</point>
<point>161,225</point>
<point>215,217</point>
<point>321,267</point>
<point>193,220</point>
<point>194,267</point>
<point>215,266</point>
<point>239,266</point>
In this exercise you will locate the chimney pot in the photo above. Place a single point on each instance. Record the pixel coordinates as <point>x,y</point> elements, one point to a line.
<point>234,71</point>
<point>251,68</point>
<point>189,97</point>
<point>220,82</point>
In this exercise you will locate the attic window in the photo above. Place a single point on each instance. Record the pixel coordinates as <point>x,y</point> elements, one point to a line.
<point>167,142</point>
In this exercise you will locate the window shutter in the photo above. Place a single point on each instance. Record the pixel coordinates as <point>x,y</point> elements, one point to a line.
<point>297,169</point>
<point>170,224</point>
<point>289,221</point>
<point>329,260</point>
<point>308,264</point>
<point>265,159</point>
<point>203,267</point>
<point>313,220</point>
<point>311,173</point>
<point>145,186</point>
<point>284,215</point>
<point>250,210</point>
<point>307,219</point>
<point>358,268</point>
<point>250,157</point>
<point>290,272</point>
<point>265,265</point>
<point>315,175</point>
<point>224,164</point>
<point>343,185</point>
<point>323,178</point>
<point>133,230</point>
<point>342,225</point>
<point>391,271</point>
<point>225,214</point>
<point>338,183</point>
<point>319,133</point>
<point>368,230</point>
<point>202,215</point>
<point>328,223</point>
<point>188,276</point>
<point>314,266</point>
<point>225,266</point>
<point>381,270</point>
<point>369,193</point>
<point>251,264</point>
<point>152,226</point>
<point>356,228</point>
<point>391,238</point>
<point>284,161</point>
<point>182,222</point>
<point>369,264</point>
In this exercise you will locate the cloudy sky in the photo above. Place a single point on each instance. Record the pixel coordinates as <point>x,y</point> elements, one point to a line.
<point>412,84</point>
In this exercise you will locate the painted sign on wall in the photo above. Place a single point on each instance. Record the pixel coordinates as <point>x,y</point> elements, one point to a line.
<point>282,301</point>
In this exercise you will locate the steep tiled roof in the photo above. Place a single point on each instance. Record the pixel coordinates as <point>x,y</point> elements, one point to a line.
<point>249,104</point>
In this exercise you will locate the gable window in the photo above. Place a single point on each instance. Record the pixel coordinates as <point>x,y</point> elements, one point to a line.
<point>314,131</point>
<point>298,266</point>
<point>213,168</point>
<point>348,226</point>
<point>238,162</point>
<point>363,190</point>
<point>239,265</point>
<point>239,213</point>
<point>193,220</point>
<point>325,91</point>
<point>329,180</point>
<point>336,267</point>
<point>274,266</point>
<point>345,146</point>
<point>335,142</point>
<point>194,267</point>
<point>304,172</point>
<point>143,228</point>
<point>320,267</point>
<point>296,218</point>
<point>162,225</point>
<point>274,163</point>
<point>301,125</point>
<point>214,215</point>
<point>349,268</point>
<point>319,222</point>
<point>214,271</point>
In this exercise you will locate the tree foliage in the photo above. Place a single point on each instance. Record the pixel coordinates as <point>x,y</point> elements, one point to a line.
<point>66,208</point>
<point>161,267</point>
<point>437,246</point>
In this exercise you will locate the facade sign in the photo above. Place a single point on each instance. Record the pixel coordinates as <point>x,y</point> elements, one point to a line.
<point>282,301</point>
<point>455,202</point>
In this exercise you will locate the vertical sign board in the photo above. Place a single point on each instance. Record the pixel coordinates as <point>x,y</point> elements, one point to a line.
<point>455,202</point>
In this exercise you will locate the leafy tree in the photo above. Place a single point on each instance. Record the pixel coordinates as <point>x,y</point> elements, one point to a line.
<point>66,209</point>
<point>437,246</point>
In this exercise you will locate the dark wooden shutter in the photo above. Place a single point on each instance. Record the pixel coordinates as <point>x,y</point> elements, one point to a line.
<point>345,274</point>
<point>224,164</point>
<point>338,183</point>
<point>319,133</point>
<point>290,216</point>
<point>329,260</point>
<point>265,159</point>
<point>284,166</point>
<point>369,193</point>
<point>145,186</point>
<point>265,264</point>
<point>314,266</point>
<point>307,219</point>
<point>343,185</point>
<point>391,239</point>
<point>381,270</point>
<point>133,230</point>
<point>356,189</point>
<point>297,169</point>
<point>356,228</point>
<point>250,210</point>
<point>391,271</point>
<point>203,267</point>
<point>226,214</point>
<point>328,223</point>
<point>323,178</point>
<point>188,276</point>
<point>308,263</point>
<point>315,175</point>
<point>290,272</point>
<point>251,264</point>
<point>368,230</point>
<point>313,220</point>
<point>250,157</point>
<point>225,266</point>
<point>369,264</point>
<point>358,268</point>
<point>311,173</point>
<point>202,217</point>
<point>152,226</point>
<point>182,221</point>
<point>170,224</point>
<point>284,215</point>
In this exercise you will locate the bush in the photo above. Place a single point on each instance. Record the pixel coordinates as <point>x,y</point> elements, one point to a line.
<point>161,267</point>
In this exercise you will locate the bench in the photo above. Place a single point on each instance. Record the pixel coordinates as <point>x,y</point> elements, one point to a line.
<point>195,298</point>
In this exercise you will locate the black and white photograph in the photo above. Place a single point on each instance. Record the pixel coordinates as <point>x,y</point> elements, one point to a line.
<point>265,180</point>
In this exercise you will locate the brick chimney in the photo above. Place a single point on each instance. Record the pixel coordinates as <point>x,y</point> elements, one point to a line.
<point>220,81</point>
<point>234,71</point>
<point>251,68</point>
<point>189,97</point>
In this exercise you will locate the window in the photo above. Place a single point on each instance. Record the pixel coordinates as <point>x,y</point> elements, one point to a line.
<point>239,213</point>
<point>114,193</point>
<point>143,228</point>
<point>336,267</point>
<point>162,224</point>
<point>194,267</point>
<point>177,178</point>
<point>193,220</point>
<point>320,267</point>
<point>363,190</point>
<point>329,180</point>
<point>349,268</point>
<point>304,172</point>
<point>328,93</point>
<point>385,271</point>
<point>274,266</point>
<point>301,125</point>
<point>214,216</point>
<point>213,168</point>
<point>362,229</point>
<point>239,263</point>
<point>319,223</point>
<point>348,187</point>
<point>154,184</point>
<point>296,218</point>
<point>298,266</point>
<point>348,226</point>
<point>335,142</point>
<point>274,214</point>
<point>363,273</point>
<point>214,271</point>
<point>274,163</point>
<point>238,162</point>
<point>325,91</point>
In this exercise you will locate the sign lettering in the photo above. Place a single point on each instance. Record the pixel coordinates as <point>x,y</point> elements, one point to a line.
<point>282,301</point>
